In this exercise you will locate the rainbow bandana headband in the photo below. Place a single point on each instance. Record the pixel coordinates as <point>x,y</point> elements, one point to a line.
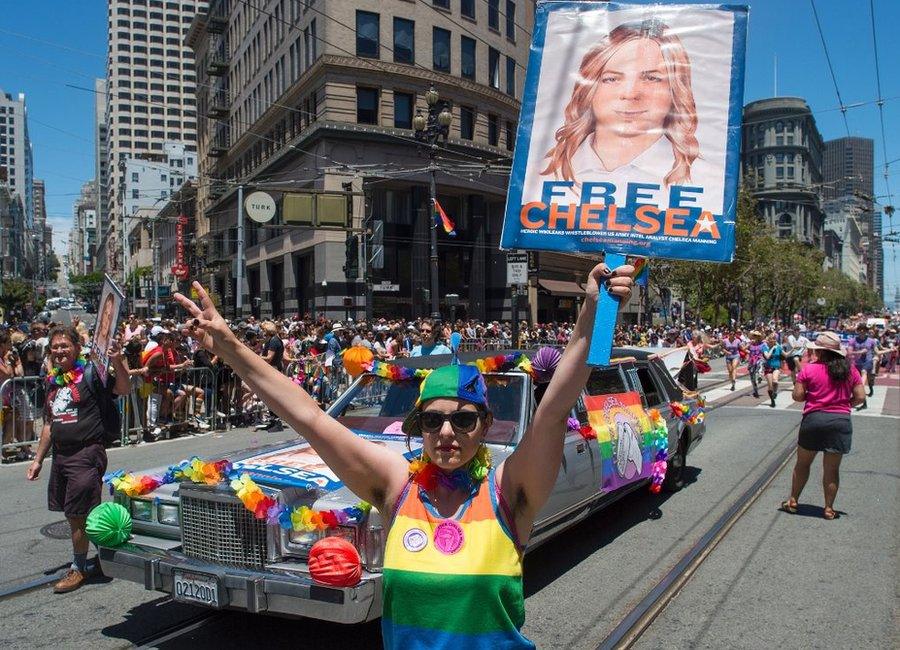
<point>456,382</point>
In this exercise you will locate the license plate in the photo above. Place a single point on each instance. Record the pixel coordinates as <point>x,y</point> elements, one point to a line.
<point>196,588</point>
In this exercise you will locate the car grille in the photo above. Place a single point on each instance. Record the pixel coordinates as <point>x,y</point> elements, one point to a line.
<point>218,528</point>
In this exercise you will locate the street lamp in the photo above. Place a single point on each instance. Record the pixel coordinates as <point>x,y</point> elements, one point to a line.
<point>432,129</point>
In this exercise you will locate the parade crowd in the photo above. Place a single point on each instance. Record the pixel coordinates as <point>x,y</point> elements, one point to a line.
<point>179,387</point>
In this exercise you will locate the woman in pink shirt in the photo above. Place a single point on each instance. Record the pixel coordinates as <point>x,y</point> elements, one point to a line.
<point>830,386</point>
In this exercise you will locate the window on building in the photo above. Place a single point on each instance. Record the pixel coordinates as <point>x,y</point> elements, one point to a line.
<point>494,14</point>
<point>440,49</point>
<point>467,8</point>
<point>366,105</point>
<point>404,40</point>
<point>135,177</point>
<point>135,194</point>
<point>367,34</point>
<point>403,110</point>
<point>466,122</point>
<point>510,20</point>
<point>441,4</point>
<point>467,57</point>
<point>494,68</point>
<point>510,135</point>
<point>510,76</point>
<point>493,130</point>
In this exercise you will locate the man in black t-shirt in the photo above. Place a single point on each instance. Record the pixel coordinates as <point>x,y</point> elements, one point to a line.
<point>273,353</point>
<point>74,426</point>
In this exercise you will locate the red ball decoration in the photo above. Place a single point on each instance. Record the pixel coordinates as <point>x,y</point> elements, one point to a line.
<point>335,562</point>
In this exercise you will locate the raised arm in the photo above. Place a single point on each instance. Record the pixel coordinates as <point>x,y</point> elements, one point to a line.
<point>528,475</point>
<point>373,472</point>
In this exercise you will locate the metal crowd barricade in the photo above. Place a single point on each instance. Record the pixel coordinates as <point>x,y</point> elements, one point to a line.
<point>22,414</point>
<point>152,404</point>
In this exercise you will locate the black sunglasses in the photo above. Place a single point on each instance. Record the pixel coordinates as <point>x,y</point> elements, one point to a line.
<point>460,421</point>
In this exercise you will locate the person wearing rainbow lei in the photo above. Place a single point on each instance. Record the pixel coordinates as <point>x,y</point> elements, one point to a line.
<point>458,526</point>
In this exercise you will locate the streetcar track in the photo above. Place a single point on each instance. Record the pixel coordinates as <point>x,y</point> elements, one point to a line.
<point>642,615</point>
<point>176,630</point>
<point>46,577</point>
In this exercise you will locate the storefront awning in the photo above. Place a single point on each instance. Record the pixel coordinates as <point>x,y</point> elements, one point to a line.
<point>562,288</point>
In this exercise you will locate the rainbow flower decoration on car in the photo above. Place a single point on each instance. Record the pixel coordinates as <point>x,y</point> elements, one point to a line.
<point>497,363</point>
<point>687,414</point>
<point>660,442</point>
<point>301,519</point>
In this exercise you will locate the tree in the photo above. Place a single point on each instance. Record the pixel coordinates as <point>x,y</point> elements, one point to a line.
<point>52,266</point>
<point>16,293</point>
<point>87,287</point>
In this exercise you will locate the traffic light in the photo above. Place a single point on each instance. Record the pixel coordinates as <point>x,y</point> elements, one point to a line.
<point>351,265</point>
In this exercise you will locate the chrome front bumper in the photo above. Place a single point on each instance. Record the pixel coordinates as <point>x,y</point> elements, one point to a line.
<point>267,592</point>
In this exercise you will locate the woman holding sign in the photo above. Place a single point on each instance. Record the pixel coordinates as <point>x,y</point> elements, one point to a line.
<point>475,515</point>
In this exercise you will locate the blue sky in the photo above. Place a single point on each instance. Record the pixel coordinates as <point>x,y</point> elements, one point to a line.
<point>61,117</point>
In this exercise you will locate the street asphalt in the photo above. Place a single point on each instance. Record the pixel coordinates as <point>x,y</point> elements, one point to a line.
<point>776,580</point>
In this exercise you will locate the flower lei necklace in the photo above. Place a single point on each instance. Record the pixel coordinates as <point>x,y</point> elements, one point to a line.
<point>428,475</point>
<point>58,377</point>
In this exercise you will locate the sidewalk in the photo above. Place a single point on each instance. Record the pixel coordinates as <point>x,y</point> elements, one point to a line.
<point>799,581</point>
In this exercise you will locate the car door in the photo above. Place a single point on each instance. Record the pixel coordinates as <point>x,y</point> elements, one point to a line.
<point>655,396</point>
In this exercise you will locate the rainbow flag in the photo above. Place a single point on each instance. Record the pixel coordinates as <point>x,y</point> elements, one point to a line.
<point>625,436</point>
<point>447,222</point>
<point>641,270</point>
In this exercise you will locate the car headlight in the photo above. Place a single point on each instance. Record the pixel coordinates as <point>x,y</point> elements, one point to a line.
<point>305,538</point>
<point>167,513</point>
<point>141,510</point>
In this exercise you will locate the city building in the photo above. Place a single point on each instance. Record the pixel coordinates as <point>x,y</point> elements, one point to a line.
<point>101,171</point>
<point>843,219</point>
<point>12,219</point>
<point>316,106</point>
<point>43,232</point>
<point>16,159</point>
<point>781,161</point>
<point>847,171</point>
<point>150,97</point>
<point>83,236</point>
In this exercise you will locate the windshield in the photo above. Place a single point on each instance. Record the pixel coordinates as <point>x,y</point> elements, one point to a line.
<point>379,405</point>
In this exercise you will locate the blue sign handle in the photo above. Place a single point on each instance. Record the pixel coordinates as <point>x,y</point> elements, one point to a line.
<point>605,319</point>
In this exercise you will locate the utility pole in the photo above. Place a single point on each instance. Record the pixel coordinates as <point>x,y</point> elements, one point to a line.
<point>239,297</point>
<point>435,310</point>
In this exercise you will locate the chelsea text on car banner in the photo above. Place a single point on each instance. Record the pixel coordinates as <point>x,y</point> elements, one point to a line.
<point>629,137</point>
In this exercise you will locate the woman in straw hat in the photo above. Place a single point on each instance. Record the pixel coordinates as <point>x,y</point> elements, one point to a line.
<point>457,526</point>
<point>830,386</point>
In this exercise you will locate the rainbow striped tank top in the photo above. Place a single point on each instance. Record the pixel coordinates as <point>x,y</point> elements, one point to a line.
<point>452,582</point>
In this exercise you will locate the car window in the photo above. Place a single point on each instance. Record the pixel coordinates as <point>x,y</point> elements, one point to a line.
<point>606,381</point>
<point>665,378</point>
<point>652,394</point>
<point>379,405</point>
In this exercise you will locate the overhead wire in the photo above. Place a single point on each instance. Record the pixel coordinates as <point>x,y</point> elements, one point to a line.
<point>837,90</point>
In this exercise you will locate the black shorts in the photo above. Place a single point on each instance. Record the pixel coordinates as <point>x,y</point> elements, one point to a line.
<point>76,479</point>
<point>791,362</point>
<point>822,431</point>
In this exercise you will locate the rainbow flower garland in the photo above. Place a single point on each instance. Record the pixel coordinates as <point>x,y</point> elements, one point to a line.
<point>660,441</point>
<point>428,475</point>
<point>302,519</point>
<point>73,376</point>
<point>498,363</point>
<point>687,414</point>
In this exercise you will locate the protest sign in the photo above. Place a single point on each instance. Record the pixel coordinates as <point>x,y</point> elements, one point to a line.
<point>629,138</point>
<point>107,321</point>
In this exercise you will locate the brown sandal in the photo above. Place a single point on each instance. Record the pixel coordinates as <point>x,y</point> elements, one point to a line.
<point>787,506</point>
<point>829,514</point>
